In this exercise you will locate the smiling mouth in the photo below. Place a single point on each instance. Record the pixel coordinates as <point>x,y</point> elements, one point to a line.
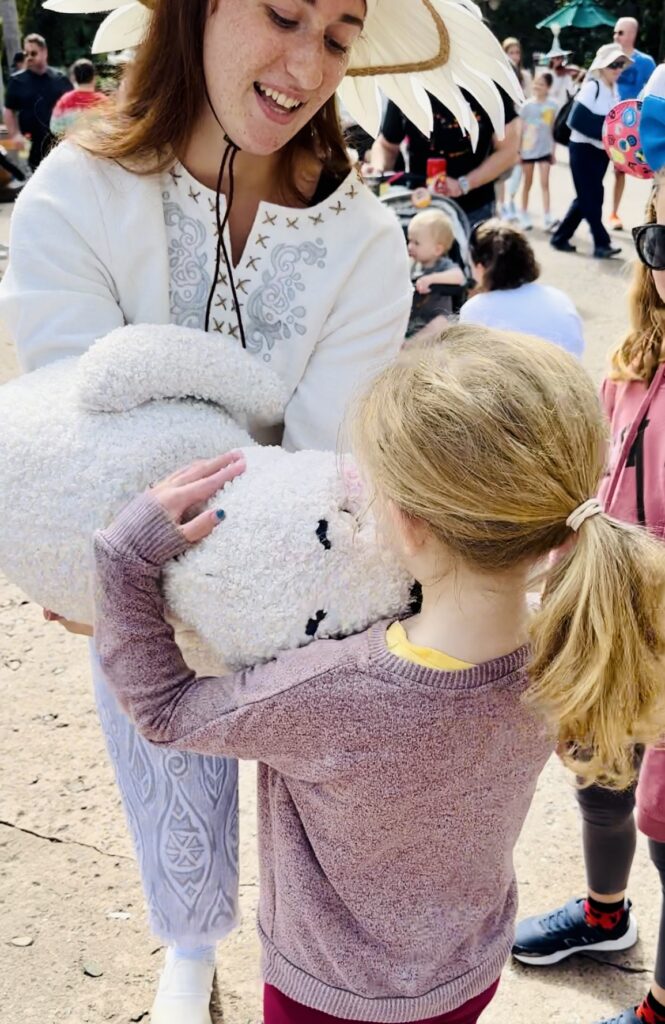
<point>278,101</point>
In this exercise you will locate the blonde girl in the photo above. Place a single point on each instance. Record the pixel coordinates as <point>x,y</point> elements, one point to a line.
<point>603,921</point>
<point>384,756</point>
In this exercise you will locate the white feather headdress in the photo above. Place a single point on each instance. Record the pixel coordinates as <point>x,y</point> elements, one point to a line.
<point>408,48</point>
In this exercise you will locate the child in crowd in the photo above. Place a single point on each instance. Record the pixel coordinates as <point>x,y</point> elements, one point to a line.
<point>510,296</point>
<point>537,147</point>
<point>396,767</point>
<point>603,921</point>
<point>431,238</point>
<point>80,100</point>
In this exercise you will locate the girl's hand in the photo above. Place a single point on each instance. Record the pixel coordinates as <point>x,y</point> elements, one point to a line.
<point>187,489</point>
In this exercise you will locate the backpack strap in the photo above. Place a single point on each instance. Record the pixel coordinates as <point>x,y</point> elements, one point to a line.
<point>631,434</point>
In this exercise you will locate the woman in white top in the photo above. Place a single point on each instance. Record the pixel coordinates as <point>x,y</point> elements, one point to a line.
<point>588,159</point>
<point>511,297</point>
<point>219,195</point>
<point>513,51</point>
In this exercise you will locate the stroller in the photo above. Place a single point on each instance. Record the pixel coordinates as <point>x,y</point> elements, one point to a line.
<point>398,199</point>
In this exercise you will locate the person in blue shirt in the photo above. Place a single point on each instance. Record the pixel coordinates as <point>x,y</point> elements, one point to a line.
<point>630,85</point>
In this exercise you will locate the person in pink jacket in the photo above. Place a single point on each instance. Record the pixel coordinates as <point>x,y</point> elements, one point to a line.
<point>633,490</point>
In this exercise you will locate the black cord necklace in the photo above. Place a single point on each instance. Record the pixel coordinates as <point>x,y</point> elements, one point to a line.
<point>228,158</point>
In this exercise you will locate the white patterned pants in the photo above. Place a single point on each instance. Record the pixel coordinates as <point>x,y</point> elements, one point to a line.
<point>182,811</point>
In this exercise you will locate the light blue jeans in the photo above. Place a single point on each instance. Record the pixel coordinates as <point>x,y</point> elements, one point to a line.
<point>182,811</point>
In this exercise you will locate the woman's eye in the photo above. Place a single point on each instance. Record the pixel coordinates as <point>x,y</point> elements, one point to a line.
<point>280,21</point>
<point>336,47</point>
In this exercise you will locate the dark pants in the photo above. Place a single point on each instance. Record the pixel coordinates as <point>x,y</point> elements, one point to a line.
<point>588,165</point>
<point>7,165</point>
<point>39,148</point>
<point>279,1009</point>
<point>609,847</point>
<point>481,213</point>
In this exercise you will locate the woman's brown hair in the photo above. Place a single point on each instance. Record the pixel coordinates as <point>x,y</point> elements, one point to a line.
<point>638,356</point>
<point>515,441</point>
<point>504,254</point>
<point>162,95</point>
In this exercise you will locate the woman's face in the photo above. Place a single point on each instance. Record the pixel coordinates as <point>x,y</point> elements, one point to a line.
<point>514,53</point>
<point>659,275</point>
<point>270,66</point>
<point>613,74</point>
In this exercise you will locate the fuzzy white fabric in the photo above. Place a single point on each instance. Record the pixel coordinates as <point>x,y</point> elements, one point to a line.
<point>295,558</point>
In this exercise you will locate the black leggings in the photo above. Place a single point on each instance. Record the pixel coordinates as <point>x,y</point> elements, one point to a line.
<point>610,836</point>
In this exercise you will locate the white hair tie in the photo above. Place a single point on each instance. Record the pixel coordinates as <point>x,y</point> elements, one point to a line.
<point>587,510</point>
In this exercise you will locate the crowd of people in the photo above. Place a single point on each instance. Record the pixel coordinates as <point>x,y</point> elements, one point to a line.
<point>482,446</point>
<point>41,104</point>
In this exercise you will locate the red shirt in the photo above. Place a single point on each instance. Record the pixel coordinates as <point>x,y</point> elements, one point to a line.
<point>70,106</point>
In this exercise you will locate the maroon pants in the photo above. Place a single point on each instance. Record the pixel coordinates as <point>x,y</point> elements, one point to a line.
<point>279,1009</point>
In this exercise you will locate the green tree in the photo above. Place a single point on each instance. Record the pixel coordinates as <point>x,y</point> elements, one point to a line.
<point>11,33</point>
<point>520,17</point>
<point>69,36</point>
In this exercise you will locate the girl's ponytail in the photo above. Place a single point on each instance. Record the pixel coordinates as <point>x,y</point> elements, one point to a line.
<point>598,642</point>
<point>492,440</point>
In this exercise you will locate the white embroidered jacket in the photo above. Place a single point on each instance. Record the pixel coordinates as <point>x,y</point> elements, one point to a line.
<point>325,292</point>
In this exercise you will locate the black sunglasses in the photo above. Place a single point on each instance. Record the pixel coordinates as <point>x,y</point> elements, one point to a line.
<point>616,64</point>
<point>650,244</point>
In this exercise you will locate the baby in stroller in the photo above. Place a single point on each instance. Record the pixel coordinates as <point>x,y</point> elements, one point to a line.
<point>436,276</point>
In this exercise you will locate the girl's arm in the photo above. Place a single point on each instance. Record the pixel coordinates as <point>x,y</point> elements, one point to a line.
<point>277,713</point>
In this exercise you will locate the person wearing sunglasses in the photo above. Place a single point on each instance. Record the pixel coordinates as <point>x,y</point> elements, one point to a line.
<point>631,82</point>
<point>588,159</point>
<point>603,920</point>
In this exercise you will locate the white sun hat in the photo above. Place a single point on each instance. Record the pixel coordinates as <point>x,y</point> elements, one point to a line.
<point>408,48</point>
<point>606,55</point>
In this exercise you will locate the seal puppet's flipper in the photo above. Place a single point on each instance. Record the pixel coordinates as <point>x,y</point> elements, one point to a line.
<point>144,362</point>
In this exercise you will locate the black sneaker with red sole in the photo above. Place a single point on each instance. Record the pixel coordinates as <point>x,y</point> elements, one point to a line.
<point>541,941</point>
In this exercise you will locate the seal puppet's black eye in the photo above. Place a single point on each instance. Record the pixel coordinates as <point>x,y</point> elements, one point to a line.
<point>322,534</point>
<point>312,626</point>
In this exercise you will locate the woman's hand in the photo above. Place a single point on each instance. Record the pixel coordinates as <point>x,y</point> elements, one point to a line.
<point>185,490</point>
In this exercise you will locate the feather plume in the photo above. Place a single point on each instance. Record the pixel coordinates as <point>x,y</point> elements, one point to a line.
<point>408,48</point>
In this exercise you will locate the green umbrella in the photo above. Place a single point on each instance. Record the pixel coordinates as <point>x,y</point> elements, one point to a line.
<point>578,14</point>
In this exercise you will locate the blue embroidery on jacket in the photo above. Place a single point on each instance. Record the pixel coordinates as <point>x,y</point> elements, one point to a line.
<point>190,280</point>
<point>272,315</point>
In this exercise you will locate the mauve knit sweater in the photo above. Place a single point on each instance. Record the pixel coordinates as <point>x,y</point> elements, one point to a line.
<point>390,796</point>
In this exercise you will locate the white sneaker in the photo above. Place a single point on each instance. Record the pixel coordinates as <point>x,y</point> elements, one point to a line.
<point>509,211</point>
<point>525,221</point>
<point>549,221</point>
<point>185,989</point>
